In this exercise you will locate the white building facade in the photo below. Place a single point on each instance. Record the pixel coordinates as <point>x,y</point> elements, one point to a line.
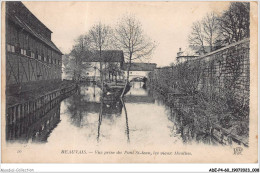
<point>112,62</point>
<point>138,70</point>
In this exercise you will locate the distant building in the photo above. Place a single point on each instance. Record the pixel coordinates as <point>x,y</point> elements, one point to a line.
<point>193,52</point>
<point>31,56</point>
<point>112,61</point>
<point>139,69</point>
<point>186,55</point>
<point>202,50</point>
<point>199,50</point>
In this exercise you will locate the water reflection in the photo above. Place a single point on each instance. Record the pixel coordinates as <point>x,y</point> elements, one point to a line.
<point>100,119</point>
<point>189,129</point>
<point>126,120</point>
<point>35,126</point>
<point>88,103</point>
<point>142,117</point>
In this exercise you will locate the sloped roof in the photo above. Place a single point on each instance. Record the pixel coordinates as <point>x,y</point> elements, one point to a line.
<point>140,66</point>
<point>106,56</point>
<point>187,52</point>
<point>16,20</point>
<point>17,7</point>
<point>199,49</point>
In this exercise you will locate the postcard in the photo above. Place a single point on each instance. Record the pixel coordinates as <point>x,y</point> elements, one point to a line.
<point>129,82</point>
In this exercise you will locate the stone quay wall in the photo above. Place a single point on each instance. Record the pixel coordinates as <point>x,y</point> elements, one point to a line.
<point>211,91</point>
<point>225,69</point>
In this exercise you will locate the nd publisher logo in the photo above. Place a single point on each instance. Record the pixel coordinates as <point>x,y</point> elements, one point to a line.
<point>238,151</point>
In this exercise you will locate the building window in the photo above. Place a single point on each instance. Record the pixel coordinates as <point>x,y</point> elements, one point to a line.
<point>28,53</point>
<point>10,48</point>
<point>39,57</point>
<point>23,51</point>
<point>32,55</point>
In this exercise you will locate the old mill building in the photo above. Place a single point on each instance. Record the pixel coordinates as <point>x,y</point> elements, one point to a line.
<point>31,56</point>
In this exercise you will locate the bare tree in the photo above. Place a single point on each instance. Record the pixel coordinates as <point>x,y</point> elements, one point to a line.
<point>204,33</point>
<point>68,66</point>
<point>130,38</point>
<point>210,28</point>
<point>197,37</point>
<point>73,62</point>
<point>234,22</point>
<point>100,37</point>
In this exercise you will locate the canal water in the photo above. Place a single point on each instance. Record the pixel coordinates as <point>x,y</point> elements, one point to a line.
<point>140,118</point>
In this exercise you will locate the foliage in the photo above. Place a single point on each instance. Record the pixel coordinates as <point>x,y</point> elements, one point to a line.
<point>74,66</point>
<point>234,22</point>
<point>113,70</point>
<point>214,31</point>
<point>187,77</point>
<point>211,90</point>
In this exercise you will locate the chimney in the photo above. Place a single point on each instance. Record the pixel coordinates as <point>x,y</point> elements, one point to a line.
<point>179,53</point>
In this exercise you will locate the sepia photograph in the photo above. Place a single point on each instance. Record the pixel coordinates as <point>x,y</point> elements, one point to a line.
<point>129,82</point>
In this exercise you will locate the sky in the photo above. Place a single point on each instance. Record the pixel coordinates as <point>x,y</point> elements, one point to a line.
<point>166,23</point>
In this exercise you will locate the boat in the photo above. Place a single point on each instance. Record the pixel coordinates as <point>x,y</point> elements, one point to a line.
<point>116,89</point>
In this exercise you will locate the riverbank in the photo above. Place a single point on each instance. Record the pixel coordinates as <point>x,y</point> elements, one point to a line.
<point>211,90</point>
<point>32,91</point>
<point>34,114</point>
<point>208,117</point>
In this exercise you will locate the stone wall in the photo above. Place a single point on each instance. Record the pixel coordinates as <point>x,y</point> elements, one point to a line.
<point>210,93</point>
<point>225,69</point>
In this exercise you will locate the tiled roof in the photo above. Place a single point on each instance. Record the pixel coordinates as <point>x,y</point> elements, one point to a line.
<point>140,66</point>
<point>199,49</point>
<point>14,18</point>
<point>106,56</point>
